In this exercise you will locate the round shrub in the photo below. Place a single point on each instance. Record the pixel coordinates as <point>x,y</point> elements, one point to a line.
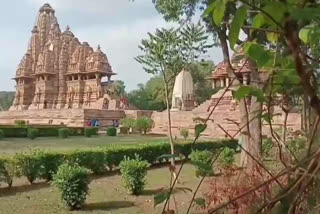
<point>202,161</point>
<point>28,165</point>
<point>63,133</point>
<point>89,132</point>
<point>33,133</point>
<point>1,134</point>
<point>184,133</point>
<point>133,172</point>
<point>128,123</point>
<point>72,182</point>
<point>227,156</point>
<point>144,125</point>
<point>112,131</point>
<point>7,170</point>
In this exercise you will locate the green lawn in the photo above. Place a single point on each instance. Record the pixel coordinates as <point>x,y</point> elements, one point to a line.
<point>107,195</point>
<point>9,146</point>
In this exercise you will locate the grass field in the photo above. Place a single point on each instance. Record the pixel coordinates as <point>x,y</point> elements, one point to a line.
<point>9,146</point>
<point>107,195</point>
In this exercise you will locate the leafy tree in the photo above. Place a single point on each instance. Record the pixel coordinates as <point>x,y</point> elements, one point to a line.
<point>119,88</point>
<point>6,99</point>
<point>167,51</point>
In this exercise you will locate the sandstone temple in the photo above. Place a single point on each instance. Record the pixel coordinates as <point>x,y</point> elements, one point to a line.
<point>58,71</point>
<point>63,81</point>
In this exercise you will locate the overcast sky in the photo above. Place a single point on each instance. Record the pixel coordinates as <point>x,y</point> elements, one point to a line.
<point>117,25</point>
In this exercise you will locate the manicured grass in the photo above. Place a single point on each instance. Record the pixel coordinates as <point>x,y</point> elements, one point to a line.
<point>9,146</point>
<point>107,195</point>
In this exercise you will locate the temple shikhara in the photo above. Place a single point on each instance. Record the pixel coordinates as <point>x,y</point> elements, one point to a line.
<point>60,72</point>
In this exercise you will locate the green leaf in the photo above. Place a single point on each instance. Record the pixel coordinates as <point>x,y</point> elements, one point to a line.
<point>258,21</point>
<point>160,197</point>
<point>304,34</point>
<point>276,10</point>
<point>272,37</point>
<point>209,9</point>
<point>236,25</point>
<point>245,91</point>
<point>256,52</point>
<point>199,128</point>
<point>200,202</point>
<point>305,14</point>
<point>218,12</point>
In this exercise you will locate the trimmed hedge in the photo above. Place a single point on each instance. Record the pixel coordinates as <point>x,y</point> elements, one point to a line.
<point>15,131</point>
<point>43,164</point>
<point>33,133</point>
<point>112,132</point>
<point>64,133</point>
<point>1,134</point>
<point>89,132</point>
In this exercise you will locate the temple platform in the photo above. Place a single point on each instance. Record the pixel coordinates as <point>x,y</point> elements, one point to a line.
<point>68,117</point>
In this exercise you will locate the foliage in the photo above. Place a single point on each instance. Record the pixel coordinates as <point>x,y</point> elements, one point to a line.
<point>33,133</point>
<point>49,163</point>
<point>144,124</point>
<point>1,134</point>
<point>63,133</point>
<point>133,172</point>
<point>20,123</point>
<point>267,146</point>
<point>89,132</point>
<point>6,99</point>
<point>7,170</point>
<point>202,161</point>
<point>128,122</point>
<point>227,156</point>
<point>297,145</point>
<point>112,131</point>
<point>72,182</point>
<point>44,164</point>
<point>93,160</point>
<point>119,88</point>
<point>184,133</point>
<point>28,165</point>
<point>44,131</point>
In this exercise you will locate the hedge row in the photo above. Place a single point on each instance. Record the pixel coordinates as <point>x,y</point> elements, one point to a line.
<point>43,165</point>
<point>43,131</point>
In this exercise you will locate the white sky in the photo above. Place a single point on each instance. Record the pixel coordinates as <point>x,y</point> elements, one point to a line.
<point>117,25</point>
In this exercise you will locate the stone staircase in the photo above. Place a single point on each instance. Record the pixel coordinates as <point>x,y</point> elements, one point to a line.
<point>203,107</point>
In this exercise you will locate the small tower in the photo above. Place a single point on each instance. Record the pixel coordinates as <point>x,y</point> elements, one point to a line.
<point>182,96</point>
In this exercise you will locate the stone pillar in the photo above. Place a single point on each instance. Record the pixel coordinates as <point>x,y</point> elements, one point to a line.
<point>227,81</point>
<point>222,82</point>
<point>245,79</point>
<point>72,77</point>
<point>109,78</point>
<point>214,84</point>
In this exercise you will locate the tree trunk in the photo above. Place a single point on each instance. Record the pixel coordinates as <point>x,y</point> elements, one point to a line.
<point>169,124</point>
<point>255,126</point>
<point>244,136</point>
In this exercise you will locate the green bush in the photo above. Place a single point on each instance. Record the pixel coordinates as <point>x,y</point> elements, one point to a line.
<point>33,133</point>
<point>94,160</point>
<point>49,163</point>
<point>124,130</point>
<point>202,161</point>
<point>128,123</point>
<point>267,146</point>
<point>227,156</point>
<point>20,123</point>
<point>112,132</point>
<point>133,172</point>
<point>184,133</point>
<point>64,133</point>
<point>28,165</point>
<point>297,145</point>
<point>144,125</point>
<point>72,182</point>
<point>89,132</point>
<point>43,165</point>
<point>7,171</point>
<point>1,134</point>
<point>14,131</point>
